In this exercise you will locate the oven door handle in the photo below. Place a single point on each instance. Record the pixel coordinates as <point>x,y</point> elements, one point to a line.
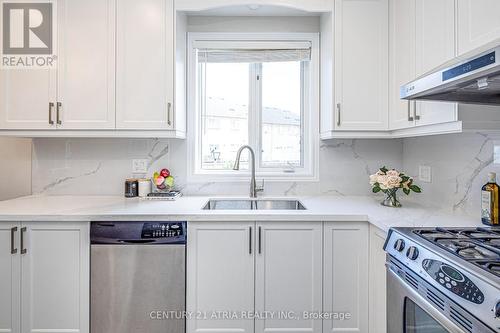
<point>424,304</point>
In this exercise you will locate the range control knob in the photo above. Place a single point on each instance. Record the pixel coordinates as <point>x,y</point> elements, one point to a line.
<point>497,310</point>
<point>412,253</point>
<point>399,245</point>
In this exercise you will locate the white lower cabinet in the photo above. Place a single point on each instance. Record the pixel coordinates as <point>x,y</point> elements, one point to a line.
<point>345,276</point>
<point>47,265</point>
<point>377,285</point>
<point>227,260</point>
<point>288,275</point>
<point>288,269</point>
<point>220,275</point>
<point>10,273</point>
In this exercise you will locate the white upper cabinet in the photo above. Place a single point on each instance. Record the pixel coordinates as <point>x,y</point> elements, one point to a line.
<point>435,45</point>
<point>25,97</point>
<point>145,68</point>
<point>78,93</point>
<point>478,23</point>
<point>116,70</point>
<point>220,275</point>
<point>402,60</point>
<point>422,37</point>
<point>86,68</point>
<point>288,275</point>
<point>361,65</point>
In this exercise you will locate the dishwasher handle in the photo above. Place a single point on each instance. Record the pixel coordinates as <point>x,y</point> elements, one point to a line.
<point>136,241</point>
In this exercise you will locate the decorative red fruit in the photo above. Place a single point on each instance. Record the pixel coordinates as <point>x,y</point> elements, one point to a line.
<point>165,173</point>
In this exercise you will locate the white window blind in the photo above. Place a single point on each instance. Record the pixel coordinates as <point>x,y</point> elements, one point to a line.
<point>252,52</point>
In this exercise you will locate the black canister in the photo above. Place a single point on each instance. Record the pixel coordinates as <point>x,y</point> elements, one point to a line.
<point>131,188</point>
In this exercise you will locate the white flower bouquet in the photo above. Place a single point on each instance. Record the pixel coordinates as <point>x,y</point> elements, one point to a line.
<point>389,182</point>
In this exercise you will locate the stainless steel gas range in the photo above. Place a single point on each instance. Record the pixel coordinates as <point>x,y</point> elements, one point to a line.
<point>443,280</point>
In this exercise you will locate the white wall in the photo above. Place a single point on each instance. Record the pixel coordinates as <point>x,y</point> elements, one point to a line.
<point>99,167</point>
<point>15,168</point>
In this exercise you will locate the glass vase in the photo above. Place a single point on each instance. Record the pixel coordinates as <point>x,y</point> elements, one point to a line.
<point>391,199</point>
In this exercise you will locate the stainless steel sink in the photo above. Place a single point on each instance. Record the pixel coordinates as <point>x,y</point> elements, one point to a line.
<point>256,204</point>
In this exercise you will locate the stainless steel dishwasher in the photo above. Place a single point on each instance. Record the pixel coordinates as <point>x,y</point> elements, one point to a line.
<point>138,277</point>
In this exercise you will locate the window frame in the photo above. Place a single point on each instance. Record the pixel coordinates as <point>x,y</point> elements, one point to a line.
<point>309,114</point>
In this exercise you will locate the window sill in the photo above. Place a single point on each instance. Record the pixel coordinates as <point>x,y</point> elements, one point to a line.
<point>245,177</point>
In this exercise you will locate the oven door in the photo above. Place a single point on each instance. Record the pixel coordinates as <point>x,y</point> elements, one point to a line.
<point>408,312</point>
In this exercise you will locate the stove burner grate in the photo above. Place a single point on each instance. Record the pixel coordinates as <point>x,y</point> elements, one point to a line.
<point>479,246</point>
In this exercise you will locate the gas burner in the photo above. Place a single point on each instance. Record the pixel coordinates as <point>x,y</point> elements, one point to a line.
<point>467,249</point>
<point>492,266</point>
<point>432,235</point>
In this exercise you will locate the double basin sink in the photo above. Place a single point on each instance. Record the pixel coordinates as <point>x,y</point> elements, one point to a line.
<point>253,204</point>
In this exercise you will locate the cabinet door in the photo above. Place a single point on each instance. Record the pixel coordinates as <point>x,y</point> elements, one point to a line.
<point>361,64</point>
<point>435,45</point>
<point>144,64</point>
<point>402,60</point>
<point>478,23</point>
<point>220,276</point>
<point>55,278</point>
<point>288,275</point>
<point>10,277</point>
<point>345,282</point>
<point>377,284</point>
<point>25,95</point>
<point>86,80</point>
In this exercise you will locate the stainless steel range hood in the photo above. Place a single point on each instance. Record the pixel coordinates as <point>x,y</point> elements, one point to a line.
<point>473,78</point>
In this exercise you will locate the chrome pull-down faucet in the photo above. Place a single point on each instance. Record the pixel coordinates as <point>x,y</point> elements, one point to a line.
<point>253,185</point>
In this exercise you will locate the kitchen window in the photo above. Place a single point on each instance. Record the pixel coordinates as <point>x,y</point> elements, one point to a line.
<point>259,91</point>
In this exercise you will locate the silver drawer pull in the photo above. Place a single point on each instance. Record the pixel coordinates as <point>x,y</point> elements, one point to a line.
<point>417,117</point>
<point>169,111</point>
<point>338,114</point>
<point>13,249</point>
<point>58,113</point>
<point>23,250</point>
<point>51,108</point>
<point>250,240</point>
<point>410,118</point>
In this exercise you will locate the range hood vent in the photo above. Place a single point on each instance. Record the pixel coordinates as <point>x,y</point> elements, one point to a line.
<point>473,78</point>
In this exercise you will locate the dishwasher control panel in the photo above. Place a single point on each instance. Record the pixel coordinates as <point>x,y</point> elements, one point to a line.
<point>139,233</point>
<point>162,230</point>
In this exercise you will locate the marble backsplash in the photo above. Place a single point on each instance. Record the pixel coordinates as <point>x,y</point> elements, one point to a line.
<point>99,167</point>
<point>460,163</point>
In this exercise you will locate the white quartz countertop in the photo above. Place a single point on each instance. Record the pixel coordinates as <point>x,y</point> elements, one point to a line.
<point>319,208</point>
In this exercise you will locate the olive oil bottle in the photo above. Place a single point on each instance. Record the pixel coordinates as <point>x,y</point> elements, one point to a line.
<point>489,201</point>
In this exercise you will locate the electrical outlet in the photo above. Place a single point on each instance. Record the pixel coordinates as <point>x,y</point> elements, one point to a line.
<point>425,173</point>
<point>140,166</point>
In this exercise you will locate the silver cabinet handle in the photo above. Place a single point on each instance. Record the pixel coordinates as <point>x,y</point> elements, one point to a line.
<point>260,240</point>
<point>417,117</point>
<point>250,240</point>
<point>51,108</point>
<point>13,249</point>
<point>169,111</point>
<point>338,114</point>
<point>23,250</point>
<point>410,118</point>
<point>58,113</point>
